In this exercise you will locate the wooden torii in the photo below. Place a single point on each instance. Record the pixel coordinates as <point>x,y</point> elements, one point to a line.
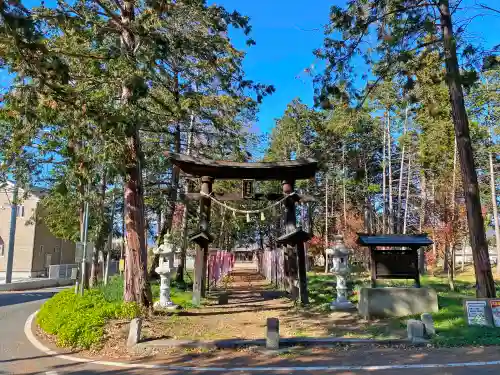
<point>287,172</point>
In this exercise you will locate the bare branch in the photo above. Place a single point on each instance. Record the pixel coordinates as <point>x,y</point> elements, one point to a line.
<point>484,6</point>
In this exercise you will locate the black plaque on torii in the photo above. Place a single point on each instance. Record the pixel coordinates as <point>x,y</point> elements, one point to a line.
<point>287,172</point>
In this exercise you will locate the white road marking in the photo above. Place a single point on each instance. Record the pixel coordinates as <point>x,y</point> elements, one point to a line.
<point>31,337</point>
<point>51,373</point>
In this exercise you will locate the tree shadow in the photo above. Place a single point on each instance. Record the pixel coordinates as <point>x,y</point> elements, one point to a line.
<point>7,299</point>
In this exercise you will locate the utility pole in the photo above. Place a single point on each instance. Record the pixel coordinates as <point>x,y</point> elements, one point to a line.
<point>84,240</point>
<point>12,234</point>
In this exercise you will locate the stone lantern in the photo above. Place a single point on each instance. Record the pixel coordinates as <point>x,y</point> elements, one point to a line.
<point>340,268</point>
<point>166,268</point>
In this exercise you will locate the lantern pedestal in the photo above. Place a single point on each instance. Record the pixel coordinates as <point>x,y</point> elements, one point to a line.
<point>166,252</point>
<point>342,303</point>
<point>340,268</point>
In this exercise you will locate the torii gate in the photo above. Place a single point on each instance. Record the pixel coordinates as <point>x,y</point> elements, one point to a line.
<point>287,172</point>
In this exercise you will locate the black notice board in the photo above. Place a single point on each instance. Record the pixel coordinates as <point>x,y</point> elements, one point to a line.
<point>395,264</point>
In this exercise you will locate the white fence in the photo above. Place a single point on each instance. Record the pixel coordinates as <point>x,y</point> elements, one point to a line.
<point>464,256</point>
<point>65,271</point>
<point>62,271</point>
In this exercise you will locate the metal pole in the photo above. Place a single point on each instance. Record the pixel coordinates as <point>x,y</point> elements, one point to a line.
<point>12,234</point>
<point>84,240</point>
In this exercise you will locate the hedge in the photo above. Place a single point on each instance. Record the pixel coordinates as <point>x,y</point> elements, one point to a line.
<point>78,321</point>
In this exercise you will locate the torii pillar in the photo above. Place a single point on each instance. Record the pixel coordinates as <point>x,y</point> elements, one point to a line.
<point>203,238</point>
<point>294,238</point>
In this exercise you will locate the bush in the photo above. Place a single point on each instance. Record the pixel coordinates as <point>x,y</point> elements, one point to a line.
<point>78,321</point>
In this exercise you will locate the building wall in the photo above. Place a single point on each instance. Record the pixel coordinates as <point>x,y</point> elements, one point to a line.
<point>23,245</point>
<point>49,249</point>
<point>33,239</point>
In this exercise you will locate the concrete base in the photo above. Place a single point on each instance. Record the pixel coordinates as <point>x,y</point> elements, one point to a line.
<point>342,306</point>
<point>390,302</point>
<point>158,306</point>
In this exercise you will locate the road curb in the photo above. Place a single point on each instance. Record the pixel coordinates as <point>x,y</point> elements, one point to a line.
<point>40,346</point>
<point>35,284</point>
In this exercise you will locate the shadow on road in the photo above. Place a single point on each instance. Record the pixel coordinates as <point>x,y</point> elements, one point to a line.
<point>7,299</point>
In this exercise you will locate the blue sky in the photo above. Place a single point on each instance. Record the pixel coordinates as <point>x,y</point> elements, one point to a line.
<point>284,46</point>
<point>284,49</point>
<point>282,30</point>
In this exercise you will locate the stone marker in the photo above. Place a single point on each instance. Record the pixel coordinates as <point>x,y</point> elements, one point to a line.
<point>223,299</point>
<point>416,330</point>
<point>394,302</point>
<point>428,324</point>
<point>134,333</point>
<point>273,334</point>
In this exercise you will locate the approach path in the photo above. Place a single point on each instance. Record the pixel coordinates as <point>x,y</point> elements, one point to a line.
<point>19,356</point>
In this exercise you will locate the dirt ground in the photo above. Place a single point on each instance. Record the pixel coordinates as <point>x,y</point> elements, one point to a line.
<point>251,302</point>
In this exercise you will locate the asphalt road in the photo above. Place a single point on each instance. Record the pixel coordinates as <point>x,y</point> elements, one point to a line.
<point>19,356</point>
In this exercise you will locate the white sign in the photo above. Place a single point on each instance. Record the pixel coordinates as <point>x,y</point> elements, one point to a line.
<point>476,313</point>
<point>79,251</point>
<point>495,311</point>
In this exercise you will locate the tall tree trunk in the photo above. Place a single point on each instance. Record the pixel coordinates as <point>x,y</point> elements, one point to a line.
<point>434,244</point>
<point>423,202</point>
<point>405,217</point>
<point>401,169</point>
<point>344,193</point>
<point>185,213</point>
<point>101,236</point>
<point>137,288</point>
<point>495,209</point>
<point>222,224</point>
<point>484,277</point>
<point>389,158</point>
<point>172,201</point>
<point>451,252</point>
<point>384,196</point>
<point>367,208</point>
<point>326,222</point>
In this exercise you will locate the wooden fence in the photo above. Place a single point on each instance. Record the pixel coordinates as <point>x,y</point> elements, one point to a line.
<point>270,264</point>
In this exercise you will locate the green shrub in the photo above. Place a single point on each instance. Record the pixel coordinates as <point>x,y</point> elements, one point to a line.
<point>78,321</point>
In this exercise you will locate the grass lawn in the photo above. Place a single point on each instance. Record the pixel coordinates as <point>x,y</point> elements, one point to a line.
<point>180,295</point>
<point>450,321</point>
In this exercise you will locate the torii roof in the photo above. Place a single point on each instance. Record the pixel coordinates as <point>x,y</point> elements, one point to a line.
<point>199,167</point>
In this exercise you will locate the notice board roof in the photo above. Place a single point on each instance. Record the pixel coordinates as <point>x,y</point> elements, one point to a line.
<point>409,240</point>
<point>221,169</point>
